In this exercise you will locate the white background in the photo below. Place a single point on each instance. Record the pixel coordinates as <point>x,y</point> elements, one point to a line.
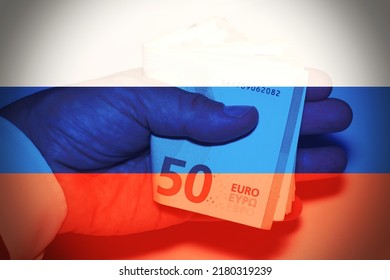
<point>61,42</point>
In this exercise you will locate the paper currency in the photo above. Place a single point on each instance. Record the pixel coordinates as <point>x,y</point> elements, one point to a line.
<point>248,181</point>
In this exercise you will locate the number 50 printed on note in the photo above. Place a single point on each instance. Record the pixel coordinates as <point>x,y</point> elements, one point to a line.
<point>248,181</point>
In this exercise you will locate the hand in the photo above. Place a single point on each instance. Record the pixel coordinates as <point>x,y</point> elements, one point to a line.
<point>96,140</point>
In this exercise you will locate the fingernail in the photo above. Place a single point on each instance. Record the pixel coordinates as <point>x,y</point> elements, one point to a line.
<point>237,111</point>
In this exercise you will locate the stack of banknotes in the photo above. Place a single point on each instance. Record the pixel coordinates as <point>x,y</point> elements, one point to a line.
<point>250,180</point>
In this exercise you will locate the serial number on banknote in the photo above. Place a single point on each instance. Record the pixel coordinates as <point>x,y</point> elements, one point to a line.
<point>264,90</point>
<point>253,89</point>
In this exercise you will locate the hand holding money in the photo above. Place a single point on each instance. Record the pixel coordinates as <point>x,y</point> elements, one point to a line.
<point>97,141</point>
<point>251,180</point>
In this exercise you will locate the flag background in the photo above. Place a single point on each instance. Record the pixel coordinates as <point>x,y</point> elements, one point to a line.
<point>47,43</point>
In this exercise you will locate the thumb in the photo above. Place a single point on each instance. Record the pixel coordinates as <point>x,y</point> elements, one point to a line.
<point>172,112</point>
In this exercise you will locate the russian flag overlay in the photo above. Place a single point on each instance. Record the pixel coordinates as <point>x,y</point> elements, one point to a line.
<point>59,200</point>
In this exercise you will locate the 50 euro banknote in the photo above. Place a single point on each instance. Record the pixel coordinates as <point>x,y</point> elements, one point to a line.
<point>248,181</point>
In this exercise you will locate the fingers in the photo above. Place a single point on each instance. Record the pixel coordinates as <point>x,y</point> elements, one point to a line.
<point>326,116</point>
<point>172,112</point>
<point>331,159</point>
<point>322,115</point>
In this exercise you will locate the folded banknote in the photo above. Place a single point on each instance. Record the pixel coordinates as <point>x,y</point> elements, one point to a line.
<point>246,181</point>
